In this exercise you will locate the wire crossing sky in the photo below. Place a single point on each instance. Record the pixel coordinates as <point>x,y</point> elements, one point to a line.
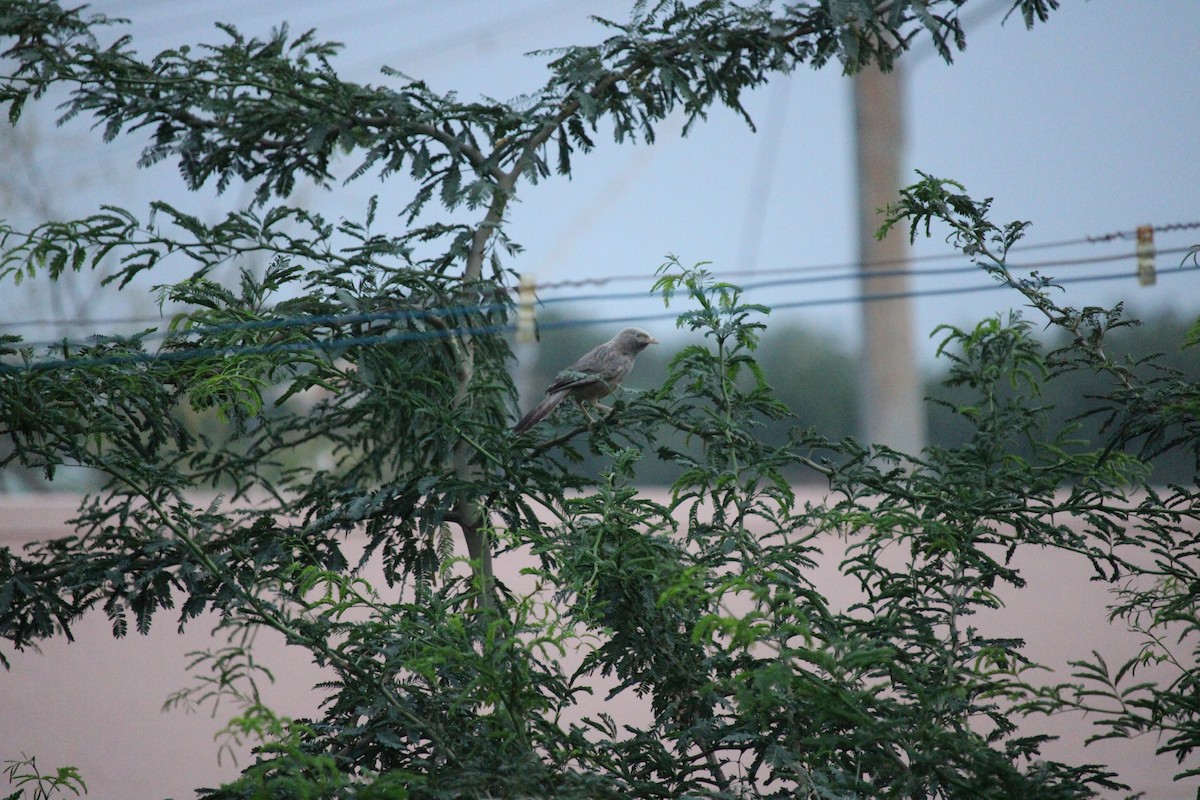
<point>834,274</point>
<point>394,337</point>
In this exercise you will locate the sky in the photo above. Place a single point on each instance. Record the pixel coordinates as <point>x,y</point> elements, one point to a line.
<point>1084,126</point>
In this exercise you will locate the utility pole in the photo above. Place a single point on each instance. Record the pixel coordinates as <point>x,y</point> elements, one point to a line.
<point>890,387</point>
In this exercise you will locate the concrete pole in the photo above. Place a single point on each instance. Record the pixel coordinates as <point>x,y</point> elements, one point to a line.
<point>891,406</point>
<point>525,346</point>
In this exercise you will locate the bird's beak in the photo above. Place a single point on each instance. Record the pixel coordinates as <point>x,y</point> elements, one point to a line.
<point>652,341</point>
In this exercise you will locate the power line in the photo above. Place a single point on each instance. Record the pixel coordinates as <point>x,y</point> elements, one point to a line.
<point>1170,227</point>
<point>762,179</point>
<point>953,290</point>
<point>307,321</point>
<point>397,315</point>
<point>441,332</point>
<point>855,272</point>
<point>854,268</point>
<point>332,345</point>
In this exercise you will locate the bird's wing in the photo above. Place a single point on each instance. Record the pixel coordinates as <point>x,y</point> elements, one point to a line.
<point>570,380</point>
<point>604,363</point>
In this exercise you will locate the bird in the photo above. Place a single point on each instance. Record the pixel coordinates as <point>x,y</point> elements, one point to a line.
<point>594,375</point>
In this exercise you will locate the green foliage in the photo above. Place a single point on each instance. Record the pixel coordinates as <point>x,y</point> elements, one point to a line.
<point>358,390</point>
<point>1068,401</point>
<point>30,782</point>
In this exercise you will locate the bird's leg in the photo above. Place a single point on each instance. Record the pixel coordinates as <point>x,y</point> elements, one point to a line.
<point>583,407</point>
<point>605,410</point>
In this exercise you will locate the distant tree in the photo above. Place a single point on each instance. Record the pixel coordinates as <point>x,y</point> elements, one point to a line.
<point>1155,347</point>
<point>29,195</point>
<point>451,686</point>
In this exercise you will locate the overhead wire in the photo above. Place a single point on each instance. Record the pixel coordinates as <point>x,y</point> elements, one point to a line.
<point>857,273</point>
<point>392,336</point>
<point>762,178</point>
<point>845,266</point>
<point>282,323</point>
<point>803,278</point>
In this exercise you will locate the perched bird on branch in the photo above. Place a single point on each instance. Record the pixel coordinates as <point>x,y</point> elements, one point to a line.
<point>593,376</point>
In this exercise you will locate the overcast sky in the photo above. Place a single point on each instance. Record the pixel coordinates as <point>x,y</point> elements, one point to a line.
<point>1085,126</point>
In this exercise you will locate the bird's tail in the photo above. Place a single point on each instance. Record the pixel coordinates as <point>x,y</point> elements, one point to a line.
<point>539,412</point>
